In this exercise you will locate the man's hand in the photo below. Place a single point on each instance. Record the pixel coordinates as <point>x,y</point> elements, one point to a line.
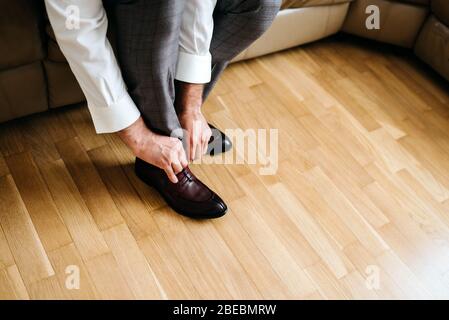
<point>198,132</point>
<point>164,152</point>
<point>188,104</point>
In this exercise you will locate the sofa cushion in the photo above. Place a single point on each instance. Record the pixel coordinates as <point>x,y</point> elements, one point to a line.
<point>418,2</point>
<point>20,32</point>
<point>309,3</point>
<point>432,45</point>
<point>54,53</point>
<point>310,23</point>
<point>63,89</point>
<point>22,91</point>
<point>440,8</point>
<point>400,22</point>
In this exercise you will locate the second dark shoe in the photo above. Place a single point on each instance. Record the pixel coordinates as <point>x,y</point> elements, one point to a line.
<point>218,142</point>
<point>189,197</point>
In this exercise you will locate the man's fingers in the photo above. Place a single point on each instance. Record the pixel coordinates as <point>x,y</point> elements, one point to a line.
<point>183,158</point>
<point>205,143</point>
<point>177,167</point>
<point>203,151</point>
<point>192,152</point>
<point>192,144</point>
<point>171,175</point>
<point>199,149</point>
<point>196,136</point>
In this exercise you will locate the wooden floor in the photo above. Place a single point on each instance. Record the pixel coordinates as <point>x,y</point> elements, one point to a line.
<point>359,207</point>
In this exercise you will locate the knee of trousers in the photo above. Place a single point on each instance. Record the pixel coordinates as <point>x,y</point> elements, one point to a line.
<point>264,12</point>
<point>271,7</point>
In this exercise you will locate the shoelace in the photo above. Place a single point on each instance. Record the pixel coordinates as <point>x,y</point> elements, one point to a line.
<point>188,177</point>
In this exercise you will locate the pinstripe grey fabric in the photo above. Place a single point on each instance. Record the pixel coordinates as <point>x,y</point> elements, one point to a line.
<point>147,47</point>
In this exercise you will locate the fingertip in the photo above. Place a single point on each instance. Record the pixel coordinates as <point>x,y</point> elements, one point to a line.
<point>171,176</point>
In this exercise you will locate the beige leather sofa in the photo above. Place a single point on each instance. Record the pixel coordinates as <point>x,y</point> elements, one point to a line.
<point>400,21</point>
<point>432,44</point>
<point>34,75</point>
<point>421,25</point>
<point>299,22</point>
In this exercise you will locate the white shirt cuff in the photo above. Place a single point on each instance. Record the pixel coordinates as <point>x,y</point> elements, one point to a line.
<point>115,117</point>
<point>193,68</point>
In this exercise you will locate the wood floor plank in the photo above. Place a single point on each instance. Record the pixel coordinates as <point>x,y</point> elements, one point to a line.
<point>91,187</point>
<point>427,81</point>
<point>172,276</point>
<point>349,187</point>
<point>437,213</point>
<point>398,271</point>
<point>282,262</point>
<point>348,132</point>
<point>390,204</point>
<point>194,259</point>
<point>226,184</point>
<point>132,263</point>
<point>8,289</point>
<point>352,169</point>
<point>368,103</point>
<point>71,270</point>
<point>16,282</point>
<point>426,279</point>
<point>256,265</point>
<point>397,87</point>
<point>421,145</point>
<point>6,258</point>
<point>305,222</point>
<point>396,158</point>
<point>25,245</point>
<point>37,140</point>
<point>350,100</point>
<point>423,231</point>
<point>233,275</point>
<point>11,139</point>
<point>280,224</point>
<point>47,289</point>
<point>126,159</point>
<point>38,201</point>
<point>82,123</point>
<point>328,285</point>
<point>367,265</point>
<point>357,285</point>
<point>364,232</point>
<point>73,210</point>
<point>420,86</point>
<point>334,225</point>
<point>108,279</point>
<point>57,126</point>
<point>128,201</point>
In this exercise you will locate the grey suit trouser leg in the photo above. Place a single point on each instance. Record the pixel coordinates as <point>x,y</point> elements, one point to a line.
<point>147,47</point>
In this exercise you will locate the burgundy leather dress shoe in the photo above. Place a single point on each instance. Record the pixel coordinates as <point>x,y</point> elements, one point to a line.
<point>218,142</point>
<point>189,197</point>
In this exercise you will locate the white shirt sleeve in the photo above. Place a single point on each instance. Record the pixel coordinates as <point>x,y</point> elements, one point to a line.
<point>194,59</point>
<point>84,43</point>
<point>90,56</point>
